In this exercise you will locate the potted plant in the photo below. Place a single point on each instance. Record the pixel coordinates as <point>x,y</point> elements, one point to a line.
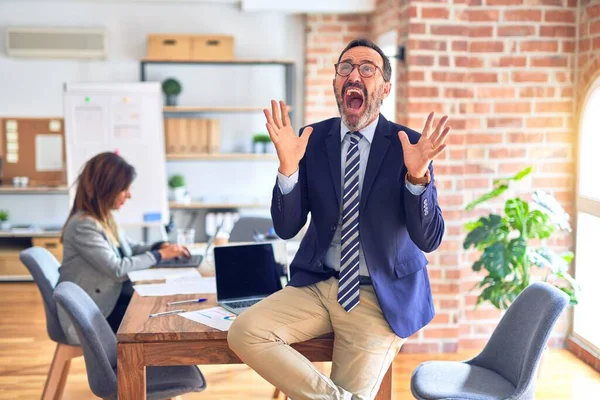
<point>512,245</point>
<point>171,88</point>
<point>4,224</point>
<point>177,185</point>
<point>261,142</point>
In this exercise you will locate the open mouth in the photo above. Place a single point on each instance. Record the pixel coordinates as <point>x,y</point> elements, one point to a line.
<point>354,99</point>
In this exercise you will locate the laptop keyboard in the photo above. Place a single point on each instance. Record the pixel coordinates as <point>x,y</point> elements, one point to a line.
<point>242,303</point>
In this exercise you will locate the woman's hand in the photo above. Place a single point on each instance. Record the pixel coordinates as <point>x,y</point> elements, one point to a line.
<point>168,251</point>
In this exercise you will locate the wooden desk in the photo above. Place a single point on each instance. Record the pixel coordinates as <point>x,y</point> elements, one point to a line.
<point>174,340</point>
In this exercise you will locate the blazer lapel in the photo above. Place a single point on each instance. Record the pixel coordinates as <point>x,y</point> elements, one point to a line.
<point>334,155</point>
<point>381,142</point>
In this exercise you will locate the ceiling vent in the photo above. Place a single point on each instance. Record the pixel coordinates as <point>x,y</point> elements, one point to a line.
<point>43,42</point>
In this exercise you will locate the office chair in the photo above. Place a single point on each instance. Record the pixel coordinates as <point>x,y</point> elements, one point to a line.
<point>43,266</point>
<point>505,368</point>
<point>99,345</point>
<point>246,229</point>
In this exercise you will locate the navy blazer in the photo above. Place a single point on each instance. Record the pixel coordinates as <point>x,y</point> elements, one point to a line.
<point>396,226</point>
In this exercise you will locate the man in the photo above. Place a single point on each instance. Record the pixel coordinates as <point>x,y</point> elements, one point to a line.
<point>360,269</point>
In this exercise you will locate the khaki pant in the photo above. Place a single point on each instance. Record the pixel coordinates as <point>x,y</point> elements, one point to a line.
<point>364,348</point>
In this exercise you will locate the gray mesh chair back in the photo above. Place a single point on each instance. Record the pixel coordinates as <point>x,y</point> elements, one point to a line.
<point>43,267</point>
<point>245,228</point>
<point>516,345</point>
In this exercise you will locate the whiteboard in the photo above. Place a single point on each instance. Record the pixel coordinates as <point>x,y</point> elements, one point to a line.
<point>123,117</point>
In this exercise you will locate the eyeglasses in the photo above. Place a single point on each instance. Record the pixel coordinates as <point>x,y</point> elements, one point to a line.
<point>365,70</point>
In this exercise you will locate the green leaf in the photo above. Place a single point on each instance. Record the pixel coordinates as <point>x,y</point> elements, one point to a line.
<point>469,226</point>
<point>516,213</point>
<point>545,257</point>
<point>517,177</point>
<point>567,256</point>
<point>488,230</point>
<point>539,225</point>
<point>502,259</point>
<point>494,193</point>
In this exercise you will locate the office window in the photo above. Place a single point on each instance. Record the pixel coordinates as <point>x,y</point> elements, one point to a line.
<point>586,324</point>
<point>387,43</point>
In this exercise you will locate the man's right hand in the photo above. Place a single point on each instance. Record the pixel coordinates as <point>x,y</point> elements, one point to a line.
<point>289,146</point>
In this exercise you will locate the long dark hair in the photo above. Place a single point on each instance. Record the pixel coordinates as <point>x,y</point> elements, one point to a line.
<point>103,177</point>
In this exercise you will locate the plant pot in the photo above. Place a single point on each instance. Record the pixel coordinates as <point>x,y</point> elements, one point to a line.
<point>259,147</point>
<point>171,99</point>
<point>179,194</point>
<point>4,226</point>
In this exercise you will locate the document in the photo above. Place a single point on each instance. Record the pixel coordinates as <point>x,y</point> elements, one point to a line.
<point>216,317</point>
<point>195,286</point>
<point>155,274</point>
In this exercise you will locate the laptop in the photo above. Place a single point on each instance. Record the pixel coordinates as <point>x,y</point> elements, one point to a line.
<point>189,262</point>
<point>246,273</point>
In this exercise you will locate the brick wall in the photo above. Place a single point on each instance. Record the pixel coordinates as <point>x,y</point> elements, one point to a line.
<point>504,70</point>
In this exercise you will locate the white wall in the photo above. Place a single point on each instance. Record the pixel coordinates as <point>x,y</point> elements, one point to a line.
<point>33,87</point>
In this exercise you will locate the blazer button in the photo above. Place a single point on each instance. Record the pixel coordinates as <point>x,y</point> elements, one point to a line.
<point>333,227</point>
<point>97,290</point>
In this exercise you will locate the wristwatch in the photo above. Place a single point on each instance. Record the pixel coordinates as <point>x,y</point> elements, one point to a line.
<point>424,180</point>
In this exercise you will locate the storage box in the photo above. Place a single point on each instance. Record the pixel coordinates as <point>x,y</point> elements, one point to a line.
<point>169,47</point>
<point>212,47</point>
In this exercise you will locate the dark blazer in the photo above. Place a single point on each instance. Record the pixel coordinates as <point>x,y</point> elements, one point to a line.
<point>396,227</point>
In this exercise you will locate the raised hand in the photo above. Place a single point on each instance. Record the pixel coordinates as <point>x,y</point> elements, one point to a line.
<point>430,145</point>
<point>289,146</point>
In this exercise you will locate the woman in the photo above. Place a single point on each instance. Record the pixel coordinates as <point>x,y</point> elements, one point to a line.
<point>96,255</point>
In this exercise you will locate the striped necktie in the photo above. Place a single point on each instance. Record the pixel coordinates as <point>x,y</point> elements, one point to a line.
<point>348,292</point>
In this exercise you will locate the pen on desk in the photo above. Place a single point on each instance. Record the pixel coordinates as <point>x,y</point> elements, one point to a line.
<point>166,313</point>
<point>186,301</point>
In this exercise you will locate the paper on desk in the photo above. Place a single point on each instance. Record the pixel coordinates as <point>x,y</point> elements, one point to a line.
<point>190,286</point>
<point>216,317</point>
<point>163,274</point>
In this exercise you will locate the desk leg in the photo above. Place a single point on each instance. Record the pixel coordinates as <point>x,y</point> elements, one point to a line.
<point>385,390</point>
<point>131,372</point>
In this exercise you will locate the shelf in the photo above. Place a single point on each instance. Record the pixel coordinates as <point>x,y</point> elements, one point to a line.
<point>218,109</point>
<point>30,234</point>
<point>9,189</point>
<point>221,156</point>
<point>196,205</point>
<point>236,61</point>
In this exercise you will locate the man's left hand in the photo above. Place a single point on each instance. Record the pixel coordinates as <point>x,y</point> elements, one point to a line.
<point>430,145</point>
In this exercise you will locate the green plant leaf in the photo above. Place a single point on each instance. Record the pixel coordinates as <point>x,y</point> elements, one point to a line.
<point>539,225</point>
<point>494,193</point>
<point>498,292</point>
<point>516,211</point>
<point>488,230</point>
<point>545,257</point>
<point>567,256</point>
<point>517,177</point>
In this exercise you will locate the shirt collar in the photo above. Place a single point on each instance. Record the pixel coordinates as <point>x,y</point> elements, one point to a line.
<point>368,131</point>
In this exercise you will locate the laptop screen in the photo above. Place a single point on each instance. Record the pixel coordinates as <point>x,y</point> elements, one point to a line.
<point>250,269</point>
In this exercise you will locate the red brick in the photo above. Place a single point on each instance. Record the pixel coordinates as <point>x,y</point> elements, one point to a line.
<point>486,47</point>
<point>416,75</point>
<point>523,15</point>
<point>484,138</point>
<point>526,76</point>
<point>482,314</point>
<point>416,28</point>
<point>505,122</point>
<point>516,30</point>
<point>512,108</point>
<point>510,62</point>
<point>595,27</point>
<point>426,107</point>
<point>448,304</point>
<point>559,137</point>
<point>512,168</point>
<point>451,274</point>
<point>557,167</point>
<point>560,16</point>
<point>440,318</point>
<point>475,108</point>
<point>507,153</point>
<point>504,2</point>
<point>449,77</point>
<point>495,92</point>
<point>460,45</point>
<point>329,28</point>
<point>593,11</point>
<point>421,60</point>
<point>434,13</point>
<point>552,182</point>
<point>468,62</point>
<point>531,46</point>
<point>481,31</point>
<point>450,30</point>
<point>444,61</point>
<point>557,31</point>
<point>414,347</point>
<point>525,137</point>
<point>483,77</point>
<point>552,61</point>
<point>418,44</point>
<point>420,91</point>
<point>554,107</point>
<point>536,92</point>
<point>566,92</point>
<point>474,15</point>
<point>440,333</point>
<point>452,93</point>
<point>544,122</point>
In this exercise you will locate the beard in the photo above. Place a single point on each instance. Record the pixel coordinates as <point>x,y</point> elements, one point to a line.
<point>371,107</point>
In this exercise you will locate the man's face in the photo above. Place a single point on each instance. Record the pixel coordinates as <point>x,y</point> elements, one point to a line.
<point>359,98</point>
